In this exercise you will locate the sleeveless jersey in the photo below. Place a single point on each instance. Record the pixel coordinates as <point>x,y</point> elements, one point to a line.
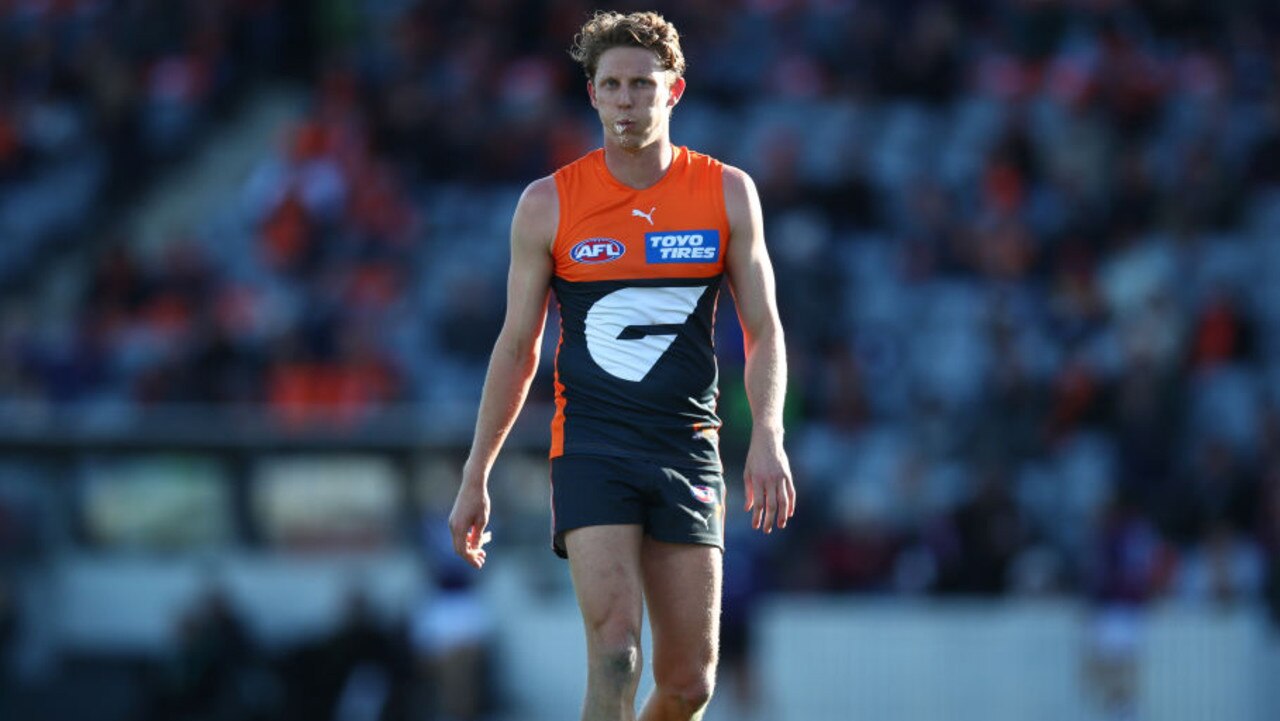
<point>637,274</point>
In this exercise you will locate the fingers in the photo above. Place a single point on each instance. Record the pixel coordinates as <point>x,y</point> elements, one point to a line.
<point>458,531</point>
<point>755,501</point>
<point>770,508</point>
<point>791,497</point>
<point>784,503</point>
<point>771,502</point>
<point>469,538</point>
<point>476,538</point>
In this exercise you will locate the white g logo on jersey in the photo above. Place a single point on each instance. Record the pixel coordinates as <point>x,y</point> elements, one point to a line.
<point>620,331</point>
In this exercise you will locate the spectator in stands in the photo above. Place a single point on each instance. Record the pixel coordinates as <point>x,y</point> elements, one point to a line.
<point>451,630</point>
<point>214,660</point>
<point>368,665</point>
<point>1223,568</point>
<point>991,530</point>
<point>746,581</point>
<point>1129,566</point>
<point>1218,489</point>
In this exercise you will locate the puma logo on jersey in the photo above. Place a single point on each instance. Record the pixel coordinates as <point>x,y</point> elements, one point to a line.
<point>682,246</point>
<point>637,213</point>
<point>597,250</point>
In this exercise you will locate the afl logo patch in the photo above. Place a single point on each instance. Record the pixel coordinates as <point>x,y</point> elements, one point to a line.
<point>597,250</point>
<point>706,494</point>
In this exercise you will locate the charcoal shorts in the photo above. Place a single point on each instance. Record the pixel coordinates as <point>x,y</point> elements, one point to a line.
<point>673,504</point>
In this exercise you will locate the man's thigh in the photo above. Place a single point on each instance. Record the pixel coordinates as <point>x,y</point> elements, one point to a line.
<point>604,562</point>
<point>682,585</point>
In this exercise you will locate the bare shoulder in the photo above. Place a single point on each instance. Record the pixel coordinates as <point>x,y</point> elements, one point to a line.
<point>541,195</point>
<point>737,183</point>
<point>537,213</point>
<point>741,200</point>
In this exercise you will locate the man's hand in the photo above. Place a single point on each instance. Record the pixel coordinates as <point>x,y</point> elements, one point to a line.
<point>770,492</point>
<point>469,518</point>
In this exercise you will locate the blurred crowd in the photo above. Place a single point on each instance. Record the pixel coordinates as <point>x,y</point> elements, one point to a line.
<point>367,667</point>
<point>96,96</point>
<point>1027,253</point>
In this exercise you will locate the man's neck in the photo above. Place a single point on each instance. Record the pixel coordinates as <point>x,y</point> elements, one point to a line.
<point>639,168</point>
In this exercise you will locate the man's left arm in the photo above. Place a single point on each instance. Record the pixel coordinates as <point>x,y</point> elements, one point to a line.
<point>770,490</point>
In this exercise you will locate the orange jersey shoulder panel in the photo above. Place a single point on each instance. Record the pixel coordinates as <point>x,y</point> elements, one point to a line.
<point>677,228</point>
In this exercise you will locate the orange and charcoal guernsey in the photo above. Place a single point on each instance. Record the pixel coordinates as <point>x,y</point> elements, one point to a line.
<point>637,276</point>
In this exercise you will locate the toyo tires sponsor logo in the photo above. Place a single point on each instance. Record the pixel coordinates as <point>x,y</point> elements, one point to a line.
<point>682,246</point>
<point>597,250</point>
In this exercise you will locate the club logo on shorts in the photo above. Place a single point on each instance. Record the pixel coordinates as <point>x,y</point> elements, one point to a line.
<point>706,494</point>
<point>597,250</point>
<point>682,246</point>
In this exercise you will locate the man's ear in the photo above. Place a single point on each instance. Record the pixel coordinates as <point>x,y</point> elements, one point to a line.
<point>677,90</point>
<point>591,93</point>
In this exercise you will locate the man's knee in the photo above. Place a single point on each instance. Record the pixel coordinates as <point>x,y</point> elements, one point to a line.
<point>690,691</point>
<point>621,664</point>
<point>615,647</point>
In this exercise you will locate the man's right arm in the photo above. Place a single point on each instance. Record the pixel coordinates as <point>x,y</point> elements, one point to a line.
<point>513,363</point>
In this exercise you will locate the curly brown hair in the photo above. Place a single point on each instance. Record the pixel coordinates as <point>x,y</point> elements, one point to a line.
<point>608,29</point>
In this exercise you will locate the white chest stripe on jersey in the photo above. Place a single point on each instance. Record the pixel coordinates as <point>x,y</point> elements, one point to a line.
<point>632,358</point>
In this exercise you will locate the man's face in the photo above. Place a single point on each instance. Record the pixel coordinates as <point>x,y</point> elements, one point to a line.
<point>633,95</point>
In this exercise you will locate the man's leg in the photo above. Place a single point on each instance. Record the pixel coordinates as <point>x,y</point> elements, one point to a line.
<point>605,564</point>
<point>682,587</point>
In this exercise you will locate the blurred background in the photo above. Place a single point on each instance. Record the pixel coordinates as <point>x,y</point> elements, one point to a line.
<point>252,263</point>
